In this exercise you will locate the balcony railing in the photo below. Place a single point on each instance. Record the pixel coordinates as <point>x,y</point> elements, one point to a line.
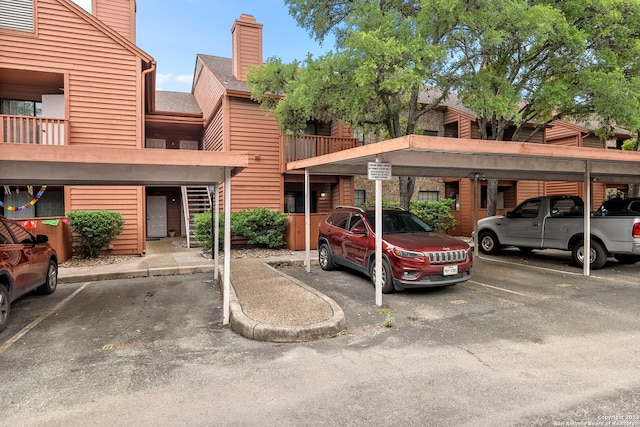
<point>306,146</point>
<point>32,130</point>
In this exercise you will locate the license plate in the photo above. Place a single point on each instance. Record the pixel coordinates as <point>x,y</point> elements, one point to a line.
<point>450,270</point>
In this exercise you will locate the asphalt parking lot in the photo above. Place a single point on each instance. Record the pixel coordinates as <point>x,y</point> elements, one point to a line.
<point>527,341</point>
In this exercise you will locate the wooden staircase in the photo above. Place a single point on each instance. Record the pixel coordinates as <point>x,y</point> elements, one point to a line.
<point>195,200</point>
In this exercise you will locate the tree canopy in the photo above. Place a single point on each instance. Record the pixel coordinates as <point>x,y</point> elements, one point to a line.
<point>510,61</point>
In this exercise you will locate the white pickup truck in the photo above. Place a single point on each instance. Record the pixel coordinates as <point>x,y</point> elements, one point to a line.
<point>557,222</point>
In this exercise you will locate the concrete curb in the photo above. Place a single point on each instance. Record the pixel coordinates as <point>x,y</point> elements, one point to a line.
<point>252,329</point>
<point>133,274</point>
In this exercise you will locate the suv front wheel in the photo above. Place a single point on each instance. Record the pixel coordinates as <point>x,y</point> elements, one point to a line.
<point>387,277</point>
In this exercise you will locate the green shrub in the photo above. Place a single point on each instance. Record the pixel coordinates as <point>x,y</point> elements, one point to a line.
<point>435,213</point>
<point>261,226</point>
<point>96,229</point>
<point>203,230</point>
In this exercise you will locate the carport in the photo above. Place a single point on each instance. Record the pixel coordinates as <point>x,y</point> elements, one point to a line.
<point>426,156</point>
<point>88,165</point>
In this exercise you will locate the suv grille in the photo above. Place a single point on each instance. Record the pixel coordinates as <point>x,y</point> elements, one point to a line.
<point>447,256</point>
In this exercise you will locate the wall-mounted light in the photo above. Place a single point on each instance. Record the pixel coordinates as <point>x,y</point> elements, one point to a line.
<point>323,195</point>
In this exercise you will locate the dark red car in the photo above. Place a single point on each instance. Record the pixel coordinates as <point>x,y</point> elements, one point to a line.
<point>414,256</point>
<point>27,262</point>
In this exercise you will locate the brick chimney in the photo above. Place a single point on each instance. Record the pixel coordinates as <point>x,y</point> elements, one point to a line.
<point>246,37</point>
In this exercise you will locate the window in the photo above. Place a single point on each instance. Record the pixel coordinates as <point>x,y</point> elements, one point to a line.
<point>339,219</point>
<point>569,207</point>
<point>528,209</point>
<point>357,222</point>
<point>50,204</point>
<point>17,15</point>
<point>294,202</point>
<point>428,196</point>
<point>430,132</point>
<point>15,107</point>
<point>360,197</point>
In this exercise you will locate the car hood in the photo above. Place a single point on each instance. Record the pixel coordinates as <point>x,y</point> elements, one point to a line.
<point>424,242</point>
<point>491,219</point>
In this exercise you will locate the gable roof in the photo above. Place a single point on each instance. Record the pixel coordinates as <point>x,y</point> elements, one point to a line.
<point>176,102</point>
<point>222,69</point>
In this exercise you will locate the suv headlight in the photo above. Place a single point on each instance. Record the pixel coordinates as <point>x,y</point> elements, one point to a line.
<point>407,254</point>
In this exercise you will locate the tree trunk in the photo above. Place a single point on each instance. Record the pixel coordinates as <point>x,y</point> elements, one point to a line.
<point>492,196</point>
<point>407,185</point>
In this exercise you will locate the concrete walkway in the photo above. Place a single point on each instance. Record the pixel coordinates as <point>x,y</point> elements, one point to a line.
<point>265,304</point>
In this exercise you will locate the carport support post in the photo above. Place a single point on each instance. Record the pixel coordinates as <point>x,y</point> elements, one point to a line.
<point>475,216</point>
<point>586,264</point>
<point>378,226</point>
<point>227,247</point>
<point>307,222</point>
<point>216,232</point>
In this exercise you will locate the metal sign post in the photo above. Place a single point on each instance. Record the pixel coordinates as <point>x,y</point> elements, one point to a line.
<point>379,172</point>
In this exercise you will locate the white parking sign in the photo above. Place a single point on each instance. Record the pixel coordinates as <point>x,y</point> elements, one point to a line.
<point>381,171</point>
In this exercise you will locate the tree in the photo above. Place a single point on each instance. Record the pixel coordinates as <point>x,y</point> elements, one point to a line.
<point>512,62</point>
<point>386,53</point>
<point>540,61</point>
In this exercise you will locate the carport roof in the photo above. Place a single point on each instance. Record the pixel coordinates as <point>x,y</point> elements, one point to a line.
<point>416,155</point>
<point>88,165</point>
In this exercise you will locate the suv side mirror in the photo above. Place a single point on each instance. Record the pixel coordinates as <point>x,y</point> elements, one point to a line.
<point>42,238</point>
<point>359,230</point>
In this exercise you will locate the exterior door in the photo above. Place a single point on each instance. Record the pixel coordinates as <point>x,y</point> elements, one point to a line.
<point>355,244</point>
<point>156,216</point>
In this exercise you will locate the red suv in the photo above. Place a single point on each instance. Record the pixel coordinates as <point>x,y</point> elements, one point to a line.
<point>27,262</point>
<point>414,256</point>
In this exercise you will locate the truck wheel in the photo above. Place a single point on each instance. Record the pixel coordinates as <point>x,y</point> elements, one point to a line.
<point>489,243</point>
<point>627,259</point>
<point>598,254</point>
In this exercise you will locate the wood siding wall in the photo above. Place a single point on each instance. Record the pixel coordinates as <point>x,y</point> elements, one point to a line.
<point>102,77</point>
<point>120,15</point>
<point>103,96</point>
<point>593,141</point>
<point>126,200</point>
<point>562,133</point>
<point>251,130</point>
<point>208,93</point>
<point>528,189</point>
<point>213,139</point>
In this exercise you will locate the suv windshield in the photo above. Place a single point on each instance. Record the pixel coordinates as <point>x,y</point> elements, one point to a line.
<point>399,222</point>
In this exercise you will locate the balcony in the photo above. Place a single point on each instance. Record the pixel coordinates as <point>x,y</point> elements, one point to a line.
<point>32,130</point>
<point>307,146</point>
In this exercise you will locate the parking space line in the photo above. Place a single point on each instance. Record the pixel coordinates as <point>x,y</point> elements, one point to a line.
<point>33,324</point>
<point>501,289</point>
<point>535,267</point>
